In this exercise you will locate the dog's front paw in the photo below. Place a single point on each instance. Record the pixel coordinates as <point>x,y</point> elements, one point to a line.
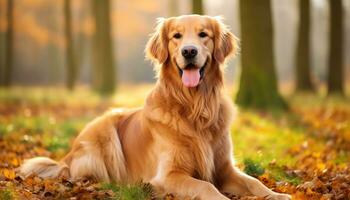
<point>279,196</point>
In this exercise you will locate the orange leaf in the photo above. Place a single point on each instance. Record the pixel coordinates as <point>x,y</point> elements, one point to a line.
<point>9,174</point>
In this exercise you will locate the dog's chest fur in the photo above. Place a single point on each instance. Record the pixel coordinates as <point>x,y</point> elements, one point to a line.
<point>194,147</point>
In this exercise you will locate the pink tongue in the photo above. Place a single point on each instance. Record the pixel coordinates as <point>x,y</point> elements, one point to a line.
<point>190,77</point>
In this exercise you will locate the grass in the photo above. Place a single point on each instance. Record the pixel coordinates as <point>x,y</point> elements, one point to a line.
<point>253,168</point>
<point>279,174</point>
<point>63,134</point>
<point>129,192</point>
<point>260,140</point>
<point>263,139</point>
<point>6,194</point>
<point>55,135</point>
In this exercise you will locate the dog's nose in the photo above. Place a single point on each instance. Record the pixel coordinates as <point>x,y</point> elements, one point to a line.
<point>189,52</point>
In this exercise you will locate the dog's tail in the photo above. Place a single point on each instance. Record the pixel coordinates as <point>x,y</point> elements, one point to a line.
<point>44,167</point>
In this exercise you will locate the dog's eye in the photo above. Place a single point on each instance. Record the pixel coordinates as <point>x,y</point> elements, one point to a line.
<point>202,34</point>
<point>177,35</point>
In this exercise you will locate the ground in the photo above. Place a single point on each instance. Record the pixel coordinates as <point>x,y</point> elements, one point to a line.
<point>304,152</point>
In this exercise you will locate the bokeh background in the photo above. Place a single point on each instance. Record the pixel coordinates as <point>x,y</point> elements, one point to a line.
<point>64,62</point>
<point>39,42</point>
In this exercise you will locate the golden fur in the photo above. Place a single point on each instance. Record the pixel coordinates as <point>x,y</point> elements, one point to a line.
<point>179,141</point>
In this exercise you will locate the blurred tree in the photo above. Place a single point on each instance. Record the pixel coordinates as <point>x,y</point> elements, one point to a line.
<point>197,7</point>
<point>2,55</point>
<point>336,57</point>
<point>303,74</point>
<point>103,66</point>
<point>8,64</point>
<point>258,84</point>
<point>71,71</point>
<point>173,8</point>
<point>82,40</point>
<point>52,47</point>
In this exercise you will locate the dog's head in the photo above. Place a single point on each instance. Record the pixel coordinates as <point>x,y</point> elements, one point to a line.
<point>189,45</point>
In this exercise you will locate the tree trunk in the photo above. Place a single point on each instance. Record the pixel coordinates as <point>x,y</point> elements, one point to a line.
<point>303,74</point>
<point>336,57</point>
<point>258,84</point>
<point>103,67</point>
<point>8,66</point>
<point>173,8</point>
<point>52,48</point>
<point>197,7</point>
<point>71,70</point>
<point>2,56</point>
<point>81,43</point>
<point>2,52</point>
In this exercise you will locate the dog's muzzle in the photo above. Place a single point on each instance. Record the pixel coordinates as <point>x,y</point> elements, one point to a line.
<point>191,65</point>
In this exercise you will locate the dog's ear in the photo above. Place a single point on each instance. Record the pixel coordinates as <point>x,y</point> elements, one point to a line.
<point>157,48</point>
<point>226,44</point>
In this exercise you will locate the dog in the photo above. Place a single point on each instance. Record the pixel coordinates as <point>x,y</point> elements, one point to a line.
<point>179,141</point>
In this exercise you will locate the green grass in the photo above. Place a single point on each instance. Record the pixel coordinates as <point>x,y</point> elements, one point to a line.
<point>264,140</point>
<point>279,174</point>
<point>63,133</point>
<point>55,135</point>
<point>253,168</point>
<point>129,192</point>
<point>6,194</point>
<point>32,125</point>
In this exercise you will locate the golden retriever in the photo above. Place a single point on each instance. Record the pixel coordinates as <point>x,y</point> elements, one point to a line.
<point>180,140</point>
